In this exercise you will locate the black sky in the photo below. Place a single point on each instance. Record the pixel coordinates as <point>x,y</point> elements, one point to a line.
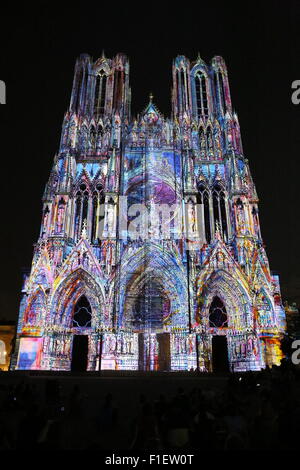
<point>261,46</point>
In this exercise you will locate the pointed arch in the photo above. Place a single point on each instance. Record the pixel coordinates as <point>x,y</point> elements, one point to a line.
<point>82,198</point>
<point>98,200</point>
<point>232,294</point>
<point>148,306</point>
<point>201,93</point>
<point>203,198</point>
<point>217,314</point>
<point>220,91</point>
<point>169,274</point>
<point>220,208</point>
<point>182,89</point>
<point>82,313</point>
<point>118,88</point>
<point>100,93</point>
<point>79,283</point>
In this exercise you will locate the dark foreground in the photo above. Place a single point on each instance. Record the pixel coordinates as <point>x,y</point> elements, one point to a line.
<point>150,411</point>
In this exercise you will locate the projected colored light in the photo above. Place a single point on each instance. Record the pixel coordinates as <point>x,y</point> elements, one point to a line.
<point>150,245</point>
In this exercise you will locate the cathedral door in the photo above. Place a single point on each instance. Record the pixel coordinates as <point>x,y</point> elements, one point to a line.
<point>147,351</point>
<point>79,353</point>
<point>164,352</point>
<point>220,361</point>
<point>154,351</point>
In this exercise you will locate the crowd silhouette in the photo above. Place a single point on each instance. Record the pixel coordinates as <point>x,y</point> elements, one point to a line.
<point>257,411</point>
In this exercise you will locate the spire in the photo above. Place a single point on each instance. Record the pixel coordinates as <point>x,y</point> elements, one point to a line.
<point>103,54</point>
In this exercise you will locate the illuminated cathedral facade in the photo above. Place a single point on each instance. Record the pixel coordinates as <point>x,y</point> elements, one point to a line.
<point>150,255</point>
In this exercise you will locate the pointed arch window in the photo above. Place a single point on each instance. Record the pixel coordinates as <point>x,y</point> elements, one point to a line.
<point>182,88</point>
<point>81,209</point>
<point>203,198</point>
<point>219,210</point>
<point>78,90</point>
<point>97,213</point>
<point>86,88</point>
<point>100,93</point>
<point>178,90</point>
<point>82,317</point>
<point>217,314</point>
<point>77,223</point>
<point>117,100</point>
<point>82,90</point>
<point>201,94</point>
<point>220,91</point>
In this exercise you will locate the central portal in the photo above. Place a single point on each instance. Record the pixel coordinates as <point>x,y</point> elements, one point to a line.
<point>150,309</point>
<point>154,351</point>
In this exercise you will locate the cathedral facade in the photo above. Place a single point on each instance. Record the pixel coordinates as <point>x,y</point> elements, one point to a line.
<point>150,255</point>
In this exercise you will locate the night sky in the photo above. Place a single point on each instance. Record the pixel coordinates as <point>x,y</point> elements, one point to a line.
<point>261,46</point>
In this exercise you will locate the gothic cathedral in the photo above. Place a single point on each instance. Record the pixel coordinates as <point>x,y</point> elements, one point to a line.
<point>150,255</point>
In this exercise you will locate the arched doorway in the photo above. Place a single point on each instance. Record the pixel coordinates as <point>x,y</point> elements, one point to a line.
<point>82,317</point>
<point>150,308</point>
<point>218,319</point>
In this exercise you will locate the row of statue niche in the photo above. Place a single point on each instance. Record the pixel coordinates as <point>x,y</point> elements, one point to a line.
<point>244,348</point>
<point>122,344</point>
<point>183,344</point>
<point>92,140</point>
<point>60,347</point>
<point>210,145</point>
<point>100,139</point>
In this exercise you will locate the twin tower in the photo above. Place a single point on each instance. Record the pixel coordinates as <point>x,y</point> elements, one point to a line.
<point>150,254</point>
